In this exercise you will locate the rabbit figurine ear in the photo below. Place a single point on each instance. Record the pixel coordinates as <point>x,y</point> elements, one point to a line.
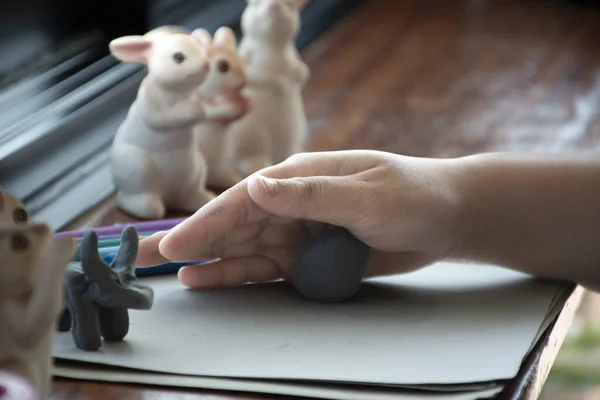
<point>132,48</point>
<point>203,37</point>
<point>225,36</point>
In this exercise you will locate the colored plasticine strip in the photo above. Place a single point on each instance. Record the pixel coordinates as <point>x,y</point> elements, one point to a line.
<point>105,246</point>
<point>141,234</point>
<point>114,240</point>
<point>109,242</point>
<point>100,238</point>
<point>102,251</point>
<point>163,269</point>
<point>157,225</point>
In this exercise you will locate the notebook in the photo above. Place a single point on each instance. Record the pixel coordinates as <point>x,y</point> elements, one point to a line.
<point>450,331</point>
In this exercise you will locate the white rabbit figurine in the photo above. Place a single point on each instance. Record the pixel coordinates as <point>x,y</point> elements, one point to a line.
<point>224,83</point>
<point>32,269</point>
<point>275,127</point>
<point>154,163</point>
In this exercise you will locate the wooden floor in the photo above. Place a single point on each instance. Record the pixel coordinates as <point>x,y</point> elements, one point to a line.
<point>439,78</point>
<point>449,78</point>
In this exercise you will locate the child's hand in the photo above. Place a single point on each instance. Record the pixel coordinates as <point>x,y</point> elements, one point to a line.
<point>403,207</point>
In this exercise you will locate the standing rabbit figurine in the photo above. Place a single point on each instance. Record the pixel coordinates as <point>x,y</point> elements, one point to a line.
<point>32,269</point>
<point>225,82</point>
<point>154,163</point>
<point>13,384</point>
<point>276,127</point>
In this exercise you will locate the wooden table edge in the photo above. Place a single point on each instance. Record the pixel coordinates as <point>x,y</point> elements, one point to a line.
<point>536,367</point>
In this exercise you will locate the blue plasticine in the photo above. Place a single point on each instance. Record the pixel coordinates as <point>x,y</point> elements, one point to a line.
<point>168,268</point>
<point>106,251</point>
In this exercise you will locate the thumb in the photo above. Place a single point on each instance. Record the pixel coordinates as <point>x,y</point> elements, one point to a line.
<point>327,199</point>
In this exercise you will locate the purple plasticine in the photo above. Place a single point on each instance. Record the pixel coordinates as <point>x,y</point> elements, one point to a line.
<point>145,226</point>
<point>142,233</point>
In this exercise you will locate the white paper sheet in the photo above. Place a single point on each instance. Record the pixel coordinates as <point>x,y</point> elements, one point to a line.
<point>320,391</point>
<point>556,306</point>
<point>447,324</point>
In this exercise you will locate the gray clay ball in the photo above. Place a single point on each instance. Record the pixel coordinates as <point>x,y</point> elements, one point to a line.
<point>332,267</point>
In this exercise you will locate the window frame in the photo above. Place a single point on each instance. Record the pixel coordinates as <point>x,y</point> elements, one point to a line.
<point>61,171</point>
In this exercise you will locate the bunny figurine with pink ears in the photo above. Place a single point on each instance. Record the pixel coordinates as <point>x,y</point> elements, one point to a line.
<point>275,127</point>
<point>225,82</point>
<point>154,162</point>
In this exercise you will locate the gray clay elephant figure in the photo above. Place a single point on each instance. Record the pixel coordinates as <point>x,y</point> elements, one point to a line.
<point>98,296</point>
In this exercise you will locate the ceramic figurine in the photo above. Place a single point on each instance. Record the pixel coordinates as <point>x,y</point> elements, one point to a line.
<point>32,270</point>
<point>15,387</point>
<point>225,82</point>
<point>12,385</point>
<point>276,126</point>
<point>98,296</point>
<point>155,166</point>
<point>12,210</point>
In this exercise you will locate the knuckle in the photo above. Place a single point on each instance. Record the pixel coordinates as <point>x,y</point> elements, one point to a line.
<point>308,188</point>
<point>296,158</point>
<point>217,247</point>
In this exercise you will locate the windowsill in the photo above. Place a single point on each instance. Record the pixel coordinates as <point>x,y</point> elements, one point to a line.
<point>84,196</point>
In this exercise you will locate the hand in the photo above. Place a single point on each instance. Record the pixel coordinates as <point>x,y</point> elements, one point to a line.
<point>403,207</point>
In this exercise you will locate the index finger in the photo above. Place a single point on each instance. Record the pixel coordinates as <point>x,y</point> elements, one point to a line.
<point>235,208</point>
<point>148,254</point>
<point>232,209</point>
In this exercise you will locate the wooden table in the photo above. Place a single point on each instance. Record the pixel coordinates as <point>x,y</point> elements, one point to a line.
<point>440,79</point>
